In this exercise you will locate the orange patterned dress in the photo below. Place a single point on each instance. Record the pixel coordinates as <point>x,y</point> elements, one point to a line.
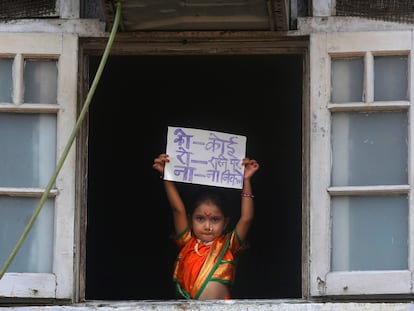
<point>198,263</point>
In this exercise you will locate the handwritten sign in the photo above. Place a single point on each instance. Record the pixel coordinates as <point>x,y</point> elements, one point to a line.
<point>205,157</point>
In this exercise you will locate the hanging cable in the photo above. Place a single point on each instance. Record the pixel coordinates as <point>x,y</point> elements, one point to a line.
<point>70,141</point>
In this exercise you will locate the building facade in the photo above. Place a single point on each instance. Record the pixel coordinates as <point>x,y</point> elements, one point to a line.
<point>322,91</point>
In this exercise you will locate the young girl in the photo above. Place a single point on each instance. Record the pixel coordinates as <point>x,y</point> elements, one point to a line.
<point>206,264</point>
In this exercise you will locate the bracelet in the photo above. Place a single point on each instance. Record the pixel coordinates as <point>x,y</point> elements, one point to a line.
<point>248,195</point>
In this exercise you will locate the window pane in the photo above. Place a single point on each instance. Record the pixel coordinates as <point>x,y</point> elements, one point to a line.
<point>391,78</point>
<point>369,148</point>
<point>36,253</point>
<point>6,82</point>
<point>347,80</point>
<point>28,149</point>
<point>369,233</point>
<point>40,81</point>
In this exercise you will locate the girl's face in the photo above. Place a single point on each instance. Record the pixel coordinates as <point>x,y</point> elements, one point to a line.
<point>208,222</point>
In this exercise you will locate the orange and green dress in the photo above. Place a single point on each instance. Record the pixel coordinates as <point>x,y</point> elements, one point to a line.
<point>198,263</point>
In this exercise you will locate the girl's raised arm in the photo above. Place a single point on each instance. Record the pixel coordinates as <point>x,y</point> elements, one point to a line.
<point>247,203</point>
<point>176,203</point>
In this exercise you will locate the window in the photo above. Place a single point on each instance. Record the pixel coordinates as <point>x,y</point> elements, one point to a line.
<point>38,75</point>
<point>360,165</point>
<point>112,267</point>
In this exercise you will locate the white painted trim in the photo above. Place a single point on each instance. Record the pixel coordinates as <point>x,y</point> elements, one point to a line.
<point>81,27</point>
<point>323,7</point>
<point>322,47</point>
<point>68,8</point>
<point>64,48</point>
<point>34,285</point>
<point>335,24</point>
<point>220,305</point>
<point>368,282</point>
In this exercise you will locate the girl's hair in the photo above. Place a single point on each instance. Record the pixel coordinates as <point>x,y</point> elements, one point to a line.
<point>210,195</point>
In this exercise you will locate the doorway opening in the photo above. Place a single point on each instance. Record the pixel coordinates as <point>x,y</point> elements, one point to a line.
<point>129,251</point>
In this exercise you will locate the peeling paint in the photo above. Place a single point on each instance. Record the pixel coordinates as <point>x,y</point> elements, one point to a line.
<point>220,305</point>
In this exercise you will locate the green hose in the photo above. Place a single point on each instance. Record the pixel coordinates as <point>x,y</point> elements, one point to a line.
<point>70,142</point>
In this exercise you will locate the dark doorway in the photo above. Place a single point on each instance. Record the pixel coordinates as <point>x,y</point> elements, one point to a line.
<point>129,251</point>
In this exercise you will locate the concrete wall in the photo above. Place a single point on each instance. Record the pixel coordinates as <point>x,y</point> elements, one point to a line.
<point>256,305</point>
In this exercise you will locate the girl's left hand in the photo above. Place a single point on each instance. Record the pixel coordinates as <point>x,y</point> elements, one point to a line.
<point>250,167</point>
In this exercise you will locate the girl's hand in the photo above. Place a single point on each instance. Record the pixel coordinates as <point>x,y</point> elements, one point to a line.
<point>159,163</point>
<point>250,167</point>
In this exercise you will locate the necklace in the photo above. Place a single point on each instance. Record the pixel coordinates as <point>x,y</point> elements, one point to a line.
<point>196,247</point>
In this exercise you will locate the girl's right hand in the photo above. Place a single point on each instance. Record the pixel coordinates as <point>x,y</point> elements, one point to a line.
<point>159,163</point>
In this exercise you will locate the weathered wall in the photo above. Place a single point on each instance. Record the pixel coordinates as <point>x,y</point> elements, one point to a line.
<point>257,305</point>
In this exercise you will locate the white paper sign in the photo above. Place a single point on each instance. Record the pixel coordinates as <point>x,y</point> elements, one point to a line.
<point>205,157</point>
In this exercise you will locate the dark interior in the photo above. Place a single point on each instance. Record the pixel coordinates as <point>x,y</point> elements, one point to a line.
<point>129,251</point>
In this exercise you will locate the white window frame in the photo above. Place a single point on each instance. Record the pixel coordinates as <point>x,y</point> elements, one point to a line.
<point>63,48</point>
<point>322,281</point>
